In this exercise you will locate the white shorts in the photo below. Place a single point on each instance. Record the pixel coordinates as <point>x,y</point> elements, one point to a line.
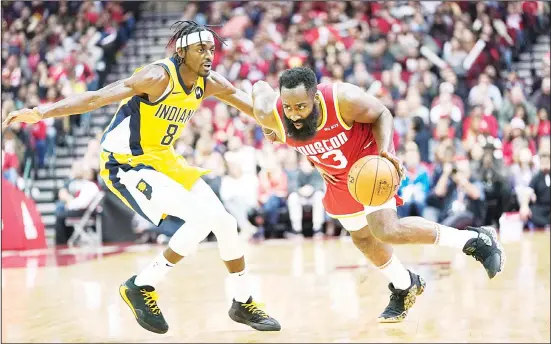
<point>358,221</point>
<point>153,195</point>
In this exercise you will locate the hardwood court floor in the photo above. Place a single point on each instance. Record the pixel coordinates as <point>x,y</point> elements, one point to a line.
<point>320,291</point>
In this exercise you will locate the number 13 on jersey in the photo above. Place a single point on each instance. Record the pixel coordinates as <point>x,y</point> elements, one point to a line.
<point>336,155</point>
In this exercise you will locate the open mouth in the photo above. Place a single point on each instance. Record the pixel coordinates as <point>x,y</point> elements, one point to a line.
<point>298,125</point>
<point>207,65</point>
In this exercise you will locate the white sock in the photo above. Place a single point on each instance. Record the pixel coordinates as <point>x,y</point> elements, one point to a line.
<point>154,272</point>
<point>451,237</point>
<point>396,273</point>
<point>240,286</point>
<point>297,225</point>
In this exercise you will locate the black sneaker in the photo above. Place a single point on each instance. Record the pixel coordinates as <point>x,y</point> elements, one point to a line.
<point>142,301</point>
<point>402,300</point>
<point>486,249</point>
<point>250,313</point>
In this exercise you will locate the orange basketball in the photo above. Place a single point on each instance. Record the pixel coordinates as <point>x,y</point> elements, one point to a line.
<point>373,180</point>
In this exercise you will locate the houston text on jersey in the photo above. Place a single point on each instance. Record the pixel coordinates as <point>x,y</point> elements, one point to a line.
<point>323,146</point>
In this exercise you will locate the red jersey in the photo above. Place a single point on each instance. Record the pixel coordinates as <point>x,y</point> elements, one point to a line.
<point>335,148</point>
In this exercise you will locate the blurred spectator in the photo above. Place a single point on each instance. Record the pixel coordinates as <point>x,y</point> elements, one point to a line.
<point>419,133</point>
<point>416,107</point>
<point>206,157</point>
<point>516,140</point>
<point>454,54</point>
<point>74,198</point>
<point>57,48</point>
<point>11,74</point>
<point>546,69</point>
<point>480,126</point>
<point>272,194</point>
<point>243,155</point>
<point>542,97</point>
<point>416,184</point>
<point>515,105</point>
<point>535,206</point>
<point>290,165</point>
<point>308,192</point>
<point>10,161</point>
<point>447,89</point>
<point>37,133</point>
<point>447,105</point>
<point>402,119</point>
<point>445,108</point>
<point>457,196</point>
<point>236,196</point>
<point>543,125</point>
<point>497,191</point>
<point>483,90</point>
<point>92,155</point>
<point>522,171</point>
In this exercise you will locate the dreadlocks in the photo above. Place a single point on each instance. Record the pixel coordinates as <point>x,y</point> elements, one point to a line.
<point>185,27</point>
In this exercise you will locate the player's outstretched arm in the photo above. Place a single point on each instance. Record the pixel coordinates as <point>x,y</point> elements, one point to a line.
<point>151,80</point>
<point>262,112</point>
<point>355,105</point>
<point>264,98</point>
<point>222,89</point>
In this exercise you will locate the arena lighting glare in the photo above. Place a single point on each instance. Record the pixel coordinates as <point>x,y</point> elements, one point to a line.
<point>195,37</point>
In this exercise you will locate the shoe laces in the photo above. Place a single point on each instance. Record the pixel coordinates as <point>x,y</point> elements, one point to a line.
<point>481,249</point>
<point>396,303</point>
<point>255,309</point>
<point>150,298</point>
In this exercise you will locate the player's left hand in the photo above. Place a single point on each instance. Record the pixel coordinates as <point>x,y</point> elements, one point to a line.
<point>396,162</point>
<point>270,135</point>
<point>329,178</point>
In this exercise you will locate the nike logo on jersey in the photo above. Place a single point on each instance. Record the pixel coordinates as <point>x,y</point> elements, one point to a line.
<point>324,145</point>
<point>369,144</point>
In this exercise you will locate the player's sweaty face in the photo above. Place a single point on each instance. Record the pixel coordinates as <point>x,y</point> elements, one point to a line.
<point>301,112</point>
<point>199,58</point>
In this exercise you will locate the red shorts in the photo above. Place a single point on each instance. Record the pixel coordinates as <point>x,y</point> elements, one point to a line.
<point>339,202</point>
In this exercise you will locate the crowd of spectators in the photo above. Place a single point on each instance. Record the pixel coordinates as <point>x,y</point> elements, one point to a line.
<point>473,136</point>
<point>50,50</point>
<point>465,123</point>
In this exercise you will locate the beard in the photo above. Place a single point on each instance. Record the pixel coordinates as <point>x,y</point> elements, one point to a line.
<point>308,129</point>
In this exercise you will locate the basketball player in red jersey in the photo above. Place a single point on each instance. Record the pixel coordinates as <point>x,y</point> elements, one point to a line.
<point>336,124</point>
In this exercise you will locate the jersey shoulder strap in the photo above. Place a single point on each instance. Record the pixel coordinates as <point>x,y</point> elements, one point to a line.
<point>329,92</point>
<point>171,66</point>
<point>278,114</point>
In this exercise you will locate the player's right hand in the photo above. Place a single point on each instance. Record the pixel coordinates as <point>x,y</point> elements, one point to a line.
<point>23,115</point>
<point>396,162</point>
<point>329,178</point>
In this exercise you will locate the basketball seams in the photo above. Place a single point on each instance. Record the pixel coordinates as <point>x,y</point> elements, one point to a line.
<point>375,179</point>
<point>357,179</point>
<point>391,176</point>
